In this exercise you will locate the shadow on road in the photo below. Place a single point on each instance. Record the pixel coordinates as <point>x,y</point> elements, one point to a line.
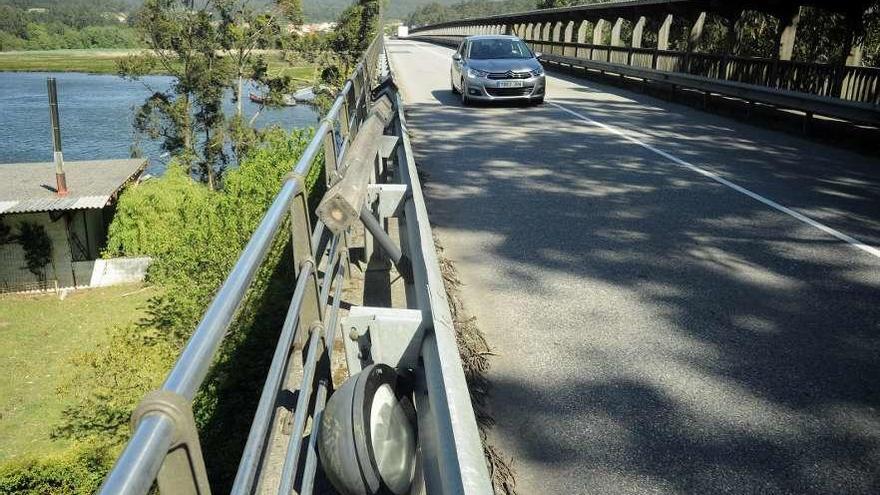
<point>763,375</point>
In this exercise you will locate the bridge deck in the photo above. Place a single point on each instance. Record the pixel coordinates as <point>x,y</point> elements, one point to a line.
<point>663,322</point>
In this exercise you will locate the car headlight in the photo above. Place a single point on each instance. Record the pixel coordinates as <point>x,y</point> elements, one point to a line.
<point>538,72</point>
<point>477,73</point>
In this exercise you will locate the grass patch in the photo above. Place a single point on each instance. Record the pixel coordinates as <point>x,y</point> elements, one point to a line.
<point>39,334</point>
<point>92,61</point>
<point>103,61</point>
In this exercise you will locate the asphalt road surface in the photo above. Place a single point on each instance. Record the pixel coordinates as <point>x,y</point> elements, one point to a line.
<point>679,302</point>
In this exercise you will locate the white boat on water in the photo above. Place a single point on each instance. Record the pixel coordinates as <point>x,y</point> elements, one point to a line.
<point>305,95</point>
<point>286,100</point>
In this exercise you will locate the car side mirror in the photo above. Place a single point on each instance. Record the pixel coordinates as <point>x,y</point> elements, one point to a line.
<point>538,54</point>
<point>456,56</point>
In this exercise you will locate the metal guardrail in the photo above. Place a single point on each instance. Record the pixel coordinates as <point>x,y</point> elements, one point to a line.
<point>847,83</point>
<point>559,31</point>
<point>164,445</point>
<point>811,104</point>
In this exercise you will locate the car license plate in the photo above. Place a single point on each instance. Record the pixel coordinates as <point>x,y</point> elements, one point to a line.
<point>510,84</point>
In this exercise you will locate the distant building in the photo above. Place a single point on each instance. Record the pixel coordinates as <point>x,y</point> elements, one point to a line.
<point>76,223</point>
<point>37,10</point>
<point>318,27</point>
<point>120,17</point>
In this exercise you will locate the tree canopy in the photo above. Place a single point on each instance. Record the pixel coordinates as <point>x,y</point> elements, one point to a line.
<point>46,25</point>
<point>209,47</point>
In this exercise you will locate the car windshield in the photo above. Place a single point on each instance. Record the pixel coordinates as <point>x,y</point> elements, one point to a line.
<point>499,48</point>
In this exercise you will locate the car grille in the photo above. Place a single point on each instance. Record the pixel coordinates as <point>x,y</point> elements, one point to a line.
<point>509,91</point>
<point>510,75</point>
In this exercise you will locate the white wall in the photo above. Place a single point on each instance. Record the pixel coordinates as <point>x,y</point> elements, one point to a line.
<point>116,271</point>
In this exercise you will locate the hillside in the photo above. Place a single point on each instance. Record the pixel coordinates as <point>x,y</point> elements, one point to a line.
<point>328,10</point>
<point>315,10</point>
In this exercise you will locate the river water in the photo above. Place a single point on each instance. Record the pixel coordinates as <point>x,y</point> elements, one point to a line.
<point>96,117</point>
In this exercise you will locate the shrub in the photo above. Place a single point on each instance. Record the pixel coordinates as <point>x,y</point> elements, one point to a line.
<point>80,470</point>
<point>109,383</point>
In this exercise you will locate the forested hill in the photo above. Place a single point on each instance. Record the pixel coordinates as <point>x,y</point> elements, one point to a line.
<point>329,10</point>
<point>435,12</point>
<point>88,12</point>
<point>53,24</point>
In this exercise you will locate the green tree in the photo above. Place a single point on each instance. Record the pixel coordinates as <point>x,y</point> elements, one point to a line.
<point>354,31</point>
<point>37,247</point>
<point>208,47</point>
<point>552,4</point>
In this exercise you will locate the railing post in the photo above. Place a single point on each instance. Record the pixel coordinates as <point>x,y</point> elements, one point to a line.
<point>301,240</point>
<point>330,153</point>
<point>346,117</point>
<point>183,470</point>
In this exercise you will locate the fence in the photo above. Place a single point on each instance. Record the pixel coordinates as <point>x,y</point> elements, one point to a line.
<point>164,444</point>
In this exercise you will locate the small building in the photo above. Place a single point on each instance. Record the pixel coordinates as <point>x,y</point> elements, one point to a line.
<point>75,223</point>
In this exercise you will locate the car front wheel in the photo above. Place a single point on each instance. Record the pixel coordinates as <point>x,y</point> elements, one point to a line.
<point>464,96</point>
<point>452,85</point>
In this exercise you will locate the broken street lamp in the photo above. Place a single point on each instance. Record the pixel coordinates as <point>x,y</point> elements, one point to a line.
<point>368,434</point>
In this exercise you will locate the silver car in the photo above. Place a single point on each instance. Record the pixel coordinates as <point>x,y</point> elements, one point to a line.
<point>494,67</point>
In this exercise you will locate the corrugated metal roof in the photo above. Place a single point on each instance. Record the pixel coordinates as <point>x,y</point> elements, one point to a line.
<point>30,187</point>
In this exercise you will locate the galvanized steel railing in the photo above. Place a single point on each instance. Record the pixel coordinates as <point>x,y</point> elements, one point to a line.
<point>164,444</point>
<point>662,67</point>
<point>848,83</point>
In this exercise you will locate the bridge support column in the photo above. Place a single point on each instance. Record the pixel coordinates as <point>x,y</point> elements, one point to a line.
<point>557,37</point>
<point>855,39</point>
<point>851,55</point>
<point>787,34</point>
<point>598,31</point>
<point>663,33</point>
<point>663,45</point>
<point>581,37</point>
<point>856,53</point>
<point>694,38</point>
<point>697,32</point>
<point>615,32</point>
<point>639,32</point>
<point>567,38</point>
<point>731,21</point>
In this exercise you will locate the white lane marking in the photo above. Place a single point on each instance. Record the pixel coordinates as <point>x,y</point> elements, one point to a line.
<point>721,180</point>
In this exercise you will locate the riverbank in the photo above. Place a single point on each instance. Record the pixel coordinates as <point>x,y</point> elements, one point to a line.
<point>103,61</point>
